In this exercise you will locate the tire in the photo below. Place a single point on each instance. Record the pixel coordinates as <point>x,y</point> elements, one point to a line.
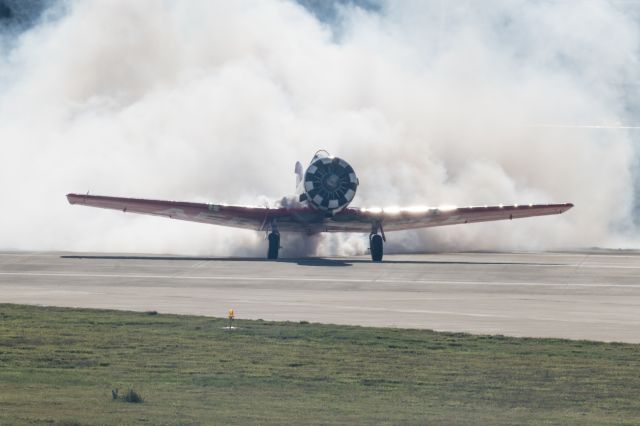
<point>376,248</point>
<point>274,246</point>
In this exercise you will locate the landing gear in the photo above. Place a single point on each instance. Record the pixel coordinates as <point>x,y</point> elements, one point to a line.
<point>274,240</point>
<point>375,243</point>
<point>274,245</point>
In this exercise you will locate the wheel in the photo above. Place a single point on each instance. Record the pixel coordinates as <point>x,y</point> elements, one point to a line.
<point>274,246</point>
<point>375,242</point>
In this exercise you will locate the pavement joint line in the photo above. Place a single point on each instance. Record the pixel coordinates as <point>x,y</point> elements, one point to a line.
<point>308,279</point>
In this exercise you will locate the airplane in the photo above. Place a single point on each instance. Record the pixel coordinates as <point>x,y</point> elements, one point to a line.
<point>321,204</point>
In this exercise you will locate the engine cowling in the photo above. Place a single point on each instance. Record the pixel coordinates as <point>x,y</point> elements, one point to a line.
<point>330,183</point>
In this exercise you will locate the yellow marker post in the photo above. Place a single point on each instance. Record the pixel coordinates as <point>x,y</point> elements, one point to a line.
<point>232,315</point>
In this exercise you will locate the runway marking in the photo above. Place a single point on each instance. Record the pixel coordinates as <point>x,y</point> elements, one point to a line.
<point>390,266</point>
<point>426,311</point>
<point>375,309</point>
<point>308,279</point>
<point>434,256</point>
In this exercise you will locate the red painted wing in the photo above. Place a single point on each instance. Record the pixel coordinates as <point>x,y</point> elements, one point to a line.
<point>359,220</point>
<point>311,221</point>
<point>235,216</point>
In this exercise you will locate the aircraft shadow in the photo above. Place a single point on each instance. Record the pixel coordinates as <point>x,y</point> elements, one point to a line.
<point>307,261</point>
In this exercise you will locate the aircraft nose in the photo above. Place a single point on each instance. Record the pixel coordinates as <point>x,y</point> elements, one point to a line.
<point>332,181</point>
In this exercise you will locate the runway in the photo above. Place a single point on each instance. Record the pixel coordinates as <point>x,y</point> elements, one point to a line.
<point>579,295</point>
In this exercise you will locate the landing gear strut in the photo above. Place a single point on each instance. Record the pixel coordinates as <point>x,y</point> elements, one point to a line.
<point>375,242</point>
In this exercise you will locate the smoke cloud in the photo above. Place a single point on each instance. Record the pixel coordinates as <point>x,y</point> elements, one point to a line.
<point>432,103</point>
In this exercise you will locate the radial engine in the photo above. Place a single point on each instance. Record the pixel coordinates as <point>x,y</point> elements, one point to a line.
<point>329,183</point>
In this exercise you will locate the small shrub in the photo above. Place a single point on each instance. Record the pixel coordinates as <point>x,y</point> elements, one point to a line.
<point>152,312</point>
<point>132,396</point>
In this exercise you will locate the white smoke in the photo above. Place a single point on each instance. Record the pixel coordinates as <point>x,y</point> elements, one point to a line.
<point>432,102</point>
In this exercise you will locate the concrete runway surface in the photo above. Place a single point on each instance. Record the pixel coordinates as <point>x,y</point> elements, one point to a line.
<point>582,295</point>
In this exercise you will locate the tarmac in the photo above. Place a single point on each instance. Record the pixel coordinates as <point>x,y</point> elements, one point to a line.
<point>592,295</point>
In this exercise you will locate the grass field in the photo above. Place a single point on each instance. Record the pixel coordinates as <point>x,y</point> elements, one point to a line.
<point>59,366</point>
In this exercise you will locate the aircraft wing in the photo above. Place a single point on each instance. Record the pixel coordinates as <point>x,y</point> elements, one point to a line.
<point>360,220</point>
<point>217,214</point>
<point>309,220</point>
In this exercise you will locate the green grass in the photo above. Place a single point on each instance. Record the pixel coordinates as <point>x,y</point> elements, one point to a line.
<point>58,366</point>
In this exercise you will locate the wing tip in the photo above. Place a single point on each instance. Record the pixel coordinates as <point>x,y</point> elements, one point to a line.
<point>74,198</point>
